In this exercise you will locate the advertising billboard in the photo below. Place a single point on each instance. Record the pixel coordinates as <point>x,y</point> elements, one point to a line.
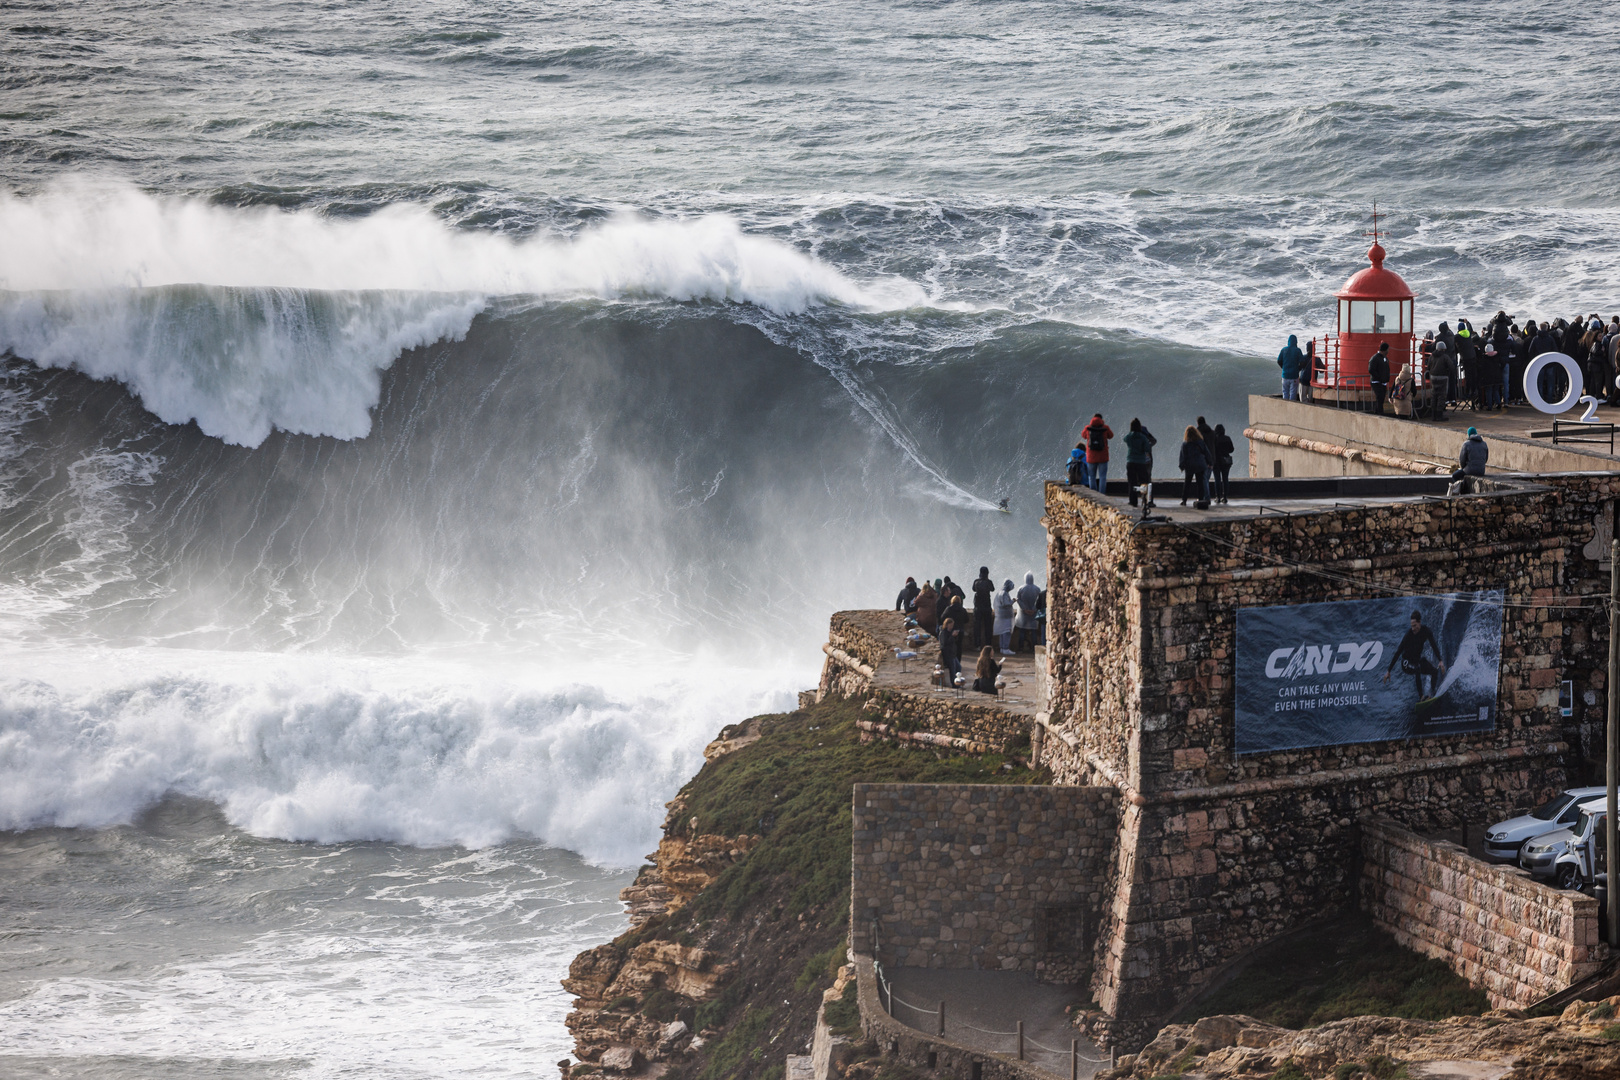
<point>1367,670</point>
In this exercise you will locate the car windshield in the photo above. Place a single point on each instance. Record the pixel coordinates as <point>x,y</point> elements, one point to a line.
<point>1548,811</point>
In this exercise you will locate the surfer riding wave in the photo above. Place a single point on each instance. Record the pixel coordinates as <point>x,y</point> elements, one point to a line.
<point>1410,655</point>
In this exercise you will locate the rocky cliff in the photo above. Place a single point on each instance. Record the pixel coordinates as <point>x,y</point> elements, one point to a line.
<point>739,921</point>
<point>1583,1043</point>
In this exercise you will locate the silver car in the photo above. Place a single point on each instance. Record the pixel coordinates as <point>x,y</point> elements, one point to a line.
<point>1545,854</point>
<point>1504,839</point>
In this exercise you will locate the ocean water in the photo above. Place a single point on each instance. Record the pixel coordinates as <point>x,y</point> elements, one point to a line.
<point>423,426</point>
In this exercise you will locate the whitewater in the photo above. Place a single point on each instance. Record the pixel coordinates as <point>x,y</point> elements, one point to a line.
<point>423,427</point>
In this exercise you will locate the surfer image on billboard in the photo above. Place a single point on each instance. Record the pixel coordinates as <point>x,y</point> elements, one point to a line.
<point>1366,670</point>
<point>1409,654</point>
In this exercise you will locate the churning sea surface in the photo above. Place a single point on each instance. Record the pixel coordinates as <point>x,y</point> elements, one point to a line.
<point>422,426</point>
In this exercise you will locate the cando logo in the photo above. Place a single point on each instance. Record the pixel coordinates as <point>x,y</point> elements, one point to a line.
<point>1291,663</point>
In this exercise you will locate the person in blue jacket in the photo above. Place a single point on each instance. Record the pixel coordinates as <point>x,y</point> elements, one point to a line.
<point>1291,360</point>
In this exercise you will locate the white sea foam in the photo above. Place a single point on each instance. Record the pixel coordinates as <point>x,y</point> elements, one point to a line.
<point>83,236</point>
<point>251,320</point>
<point>319,749</point>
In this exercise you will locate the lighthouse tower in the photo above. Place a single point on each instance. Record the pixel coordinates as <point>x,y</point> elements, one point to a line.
<point>1375,306</point>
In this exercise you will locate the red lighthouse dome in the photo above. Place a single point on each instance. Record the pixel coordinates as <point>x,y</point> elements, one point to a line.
<point>1375,306</point>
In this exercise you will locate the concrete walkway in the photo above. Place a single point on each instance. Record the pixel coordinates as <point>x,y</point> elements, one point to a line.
<point>912,676</point>
<point>980,1002</point>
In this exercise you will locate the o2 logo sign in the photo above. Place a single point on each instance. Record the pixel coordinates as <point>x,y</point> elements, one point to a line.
<point>1532,387</point>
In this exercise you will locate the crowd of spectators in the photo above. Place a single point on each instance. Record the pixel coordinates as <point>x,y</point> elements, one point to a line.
<point>1204,460</point>
<point>1007,620</point>
<point>1479,369</point>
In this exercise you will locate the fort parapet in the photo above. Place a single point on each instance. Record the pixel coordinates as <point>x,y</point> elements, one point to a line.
<point>1215,852</point>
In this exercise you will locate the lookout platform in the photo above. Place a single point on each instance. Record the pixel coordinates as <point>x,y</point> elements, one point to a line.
<point>1296,439</point>
<point>862,664</point>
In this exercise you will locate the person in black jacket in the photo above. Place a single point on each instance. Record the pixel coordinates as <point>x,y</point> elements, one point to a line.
<point>1223,448</point>
<point>1378,375</point>
<point>983,614</point>
<point>1442,377</point>
<point>956,613</point>
<point>1195,464</point>
<point>950,646</point>
<point>907,600</point>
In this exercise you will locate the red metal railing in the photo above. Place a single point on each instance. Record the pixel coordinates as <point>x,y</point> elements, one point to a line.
<point>1329,375</point>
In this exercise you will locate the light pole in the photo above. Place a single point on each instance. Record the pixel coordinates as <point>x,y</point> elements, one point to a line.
<point>1611,840</point>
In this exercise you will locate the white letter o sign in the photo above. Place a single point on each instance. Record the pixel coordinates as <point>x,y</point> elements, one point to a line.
<point>1532,377</point>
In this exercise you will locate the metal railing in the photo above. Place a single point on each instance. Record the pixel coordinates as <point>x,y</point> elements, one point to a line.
<point>1021,1043</point>
<point>1331,376</point>
<point>1596,433</point>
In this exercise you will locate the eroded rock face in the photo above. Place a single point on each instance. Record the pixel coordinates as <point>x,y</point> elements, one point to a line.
<point>610,982</point>
<point>681,868</point>
<point>1499,1044</point>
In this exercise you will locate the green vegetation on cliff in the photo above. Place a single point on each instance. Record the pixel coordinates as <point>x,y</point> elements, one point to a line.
<point>782,910</point>
<point>1344,968</point>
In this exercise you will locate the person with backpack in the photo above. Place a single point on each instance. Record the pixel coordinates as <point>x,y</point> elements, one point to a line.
<point>1290,360</point>
<point>1139,444</point>
<point>1095,436</point>
<point>1223,448</point>
<point>1077,468</point>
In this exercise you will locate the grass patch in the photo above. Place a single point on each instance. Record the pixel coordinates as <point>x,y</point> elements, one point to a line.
<point>1612,1033</point>
<point>1185,1059</point>
<point>792,787</point>
<point>1290,1071</point>
<point>820,967</point>
<point>737,1049</point>
<point>844,1015</point>
<point>713,1014</point>
<point>661,1005</point>
<point>1347,968</point>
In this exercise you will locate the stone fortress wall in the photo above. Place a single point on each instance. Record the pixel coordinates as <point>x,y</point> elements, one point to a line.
<point>981,875</point>
<point>1495,926</point>
<point>1216,854</point>
<point>1221,853</point>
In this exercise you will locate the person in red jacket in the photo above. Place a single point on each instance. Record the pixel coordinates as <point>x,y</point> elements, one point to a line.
<point>1094,437</point>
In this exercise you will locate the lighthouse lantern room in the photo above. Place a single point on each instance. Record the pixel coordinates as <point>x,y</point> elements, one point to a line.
<point>1374,306</point>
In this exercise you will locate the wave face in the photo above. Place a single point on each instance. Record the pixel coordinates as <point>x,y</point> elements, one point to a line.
<point>214,490</point>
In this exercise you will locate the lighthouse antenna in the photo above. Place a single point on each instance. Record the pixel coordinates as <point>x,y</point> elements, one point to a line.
<point>1375,230</point>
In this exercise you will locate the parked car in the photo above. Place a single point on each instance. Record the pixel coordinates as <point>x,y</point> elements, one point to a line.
<point>1583,864</point>
<point>1504,839</point>
<point>1547,855</point>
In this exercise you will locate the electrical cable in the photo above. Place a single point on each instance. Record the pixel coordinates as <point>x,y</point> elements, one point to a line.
<point>1580,604</point>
